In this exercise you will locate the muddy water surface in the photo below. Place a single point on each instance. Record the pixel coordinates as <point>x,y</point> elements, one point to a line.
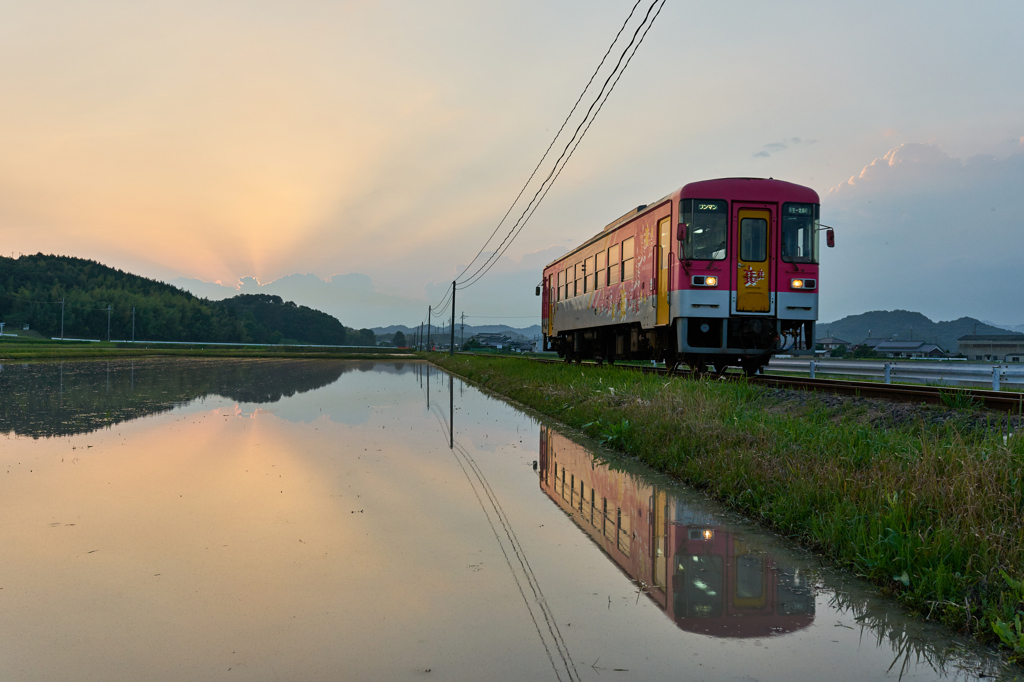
<point>294,520</point>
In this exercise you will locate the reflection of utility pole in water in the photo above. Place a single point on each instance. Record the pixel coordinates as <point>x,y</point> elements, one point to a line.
<point>428,384</point>
<point>451,412</point>
<point>537,605</point>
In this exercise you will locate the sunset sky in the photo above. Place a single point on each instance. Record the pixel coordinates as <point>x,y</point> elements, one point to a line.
<point>379,143</point>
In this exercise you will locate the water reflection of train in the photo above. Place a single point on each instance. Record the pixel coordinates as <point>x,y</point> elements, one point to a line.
<point>707,578</point>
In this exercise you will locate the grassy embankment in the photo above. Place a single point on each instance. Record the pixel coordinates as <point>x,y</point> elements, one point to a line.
<point>23,350</point>
<point>933,513</point>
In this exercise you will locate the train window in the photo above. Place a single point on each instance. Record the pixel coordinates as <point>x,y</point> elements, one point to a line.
<point>579,280</point>
<point>625,534</point>
<point>561,284</point>
<point>627,259</point>
<point>707,228</point>
<point>753,240</point>
<point>613,265</point>
<point>800,233</point>
<point>591,272</point>
<point>699,581</point>
<point>568,282</point>
<point>602,265</point>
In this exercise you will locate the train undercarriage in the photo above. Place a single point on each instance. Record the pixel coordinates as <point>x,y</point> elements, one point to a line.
<point>704,344</point>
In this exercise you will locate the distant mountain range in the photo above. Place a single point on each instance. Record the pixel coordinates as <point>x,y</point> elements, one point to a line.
<point>906,325</point>
<point>518,334</point>
<point>1018,328</point>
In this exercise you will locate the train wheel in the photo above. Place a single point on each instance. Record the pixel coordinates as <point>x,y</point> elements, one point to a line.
<point>720,368</point>
<point>698,365</point>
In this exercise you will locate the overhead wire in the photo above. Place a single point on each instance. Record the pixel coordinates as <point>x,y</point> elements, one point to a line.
<point>553,140</point>
<point>570,147</point>
<point>585,130</point>
<point>513,553</point>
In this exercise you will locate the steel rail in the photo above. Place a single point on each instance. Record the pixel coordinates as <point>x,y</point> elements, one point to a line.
<point>1001,401</point>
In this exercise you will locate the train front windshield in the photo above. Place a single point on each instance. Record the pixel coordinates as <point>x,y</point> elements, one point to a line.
<point>707,228</point>
<point>800,233</point>
<point>697,586</point>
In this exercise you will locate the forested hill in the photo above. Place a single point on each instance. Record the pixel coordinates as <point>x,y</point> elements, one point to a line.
<point>32,287</point>
<point>904,325</point>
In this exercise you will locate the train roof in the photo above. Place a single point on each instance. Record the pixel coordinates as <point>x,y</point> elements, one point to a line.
<point>751,189</point>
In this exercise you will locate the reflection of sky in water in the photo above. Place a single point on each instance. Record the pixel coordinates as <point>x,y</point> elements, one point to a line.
<point>332,534</point>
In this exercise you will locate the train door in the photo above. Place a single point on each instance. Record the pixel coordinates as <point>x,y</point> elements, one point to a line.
<point>552,304</point>
<point>753,274</point>
<point>664,245</point>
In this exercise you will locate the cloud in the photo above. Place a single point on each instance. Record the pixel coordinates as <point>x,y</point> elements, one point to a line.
<point>355,299</point>
<point>919,229</point>
<point>775,147</point>
<point>352,297</point>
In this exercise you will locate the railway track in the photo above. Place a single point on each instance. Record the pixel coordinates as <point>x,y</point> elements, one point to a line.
<point>1001,401</point>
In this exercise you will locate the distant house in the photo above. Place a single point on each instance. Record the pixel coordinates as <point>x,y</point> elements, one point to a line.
<point>871,342</point>
<point>502,341</point>
<point>908,349</point>
<point>992,347</point>
<point>493,340</point>
<point>832,342</point>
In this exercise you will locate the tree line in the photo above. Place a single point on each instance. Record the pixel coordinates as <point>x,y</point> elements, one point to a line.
<point>94,296</point>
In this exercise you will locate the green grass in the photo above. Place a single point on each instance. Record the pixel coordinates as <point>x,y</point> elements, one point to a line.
<point>933,513</point>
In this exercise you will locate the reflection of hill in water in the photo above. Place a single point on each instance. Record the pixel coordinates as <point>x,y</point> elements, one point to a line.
<point>66,398</point>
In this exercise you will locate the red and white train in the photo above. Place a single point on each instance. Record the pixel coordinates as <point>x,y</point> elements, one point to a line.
<point>721,273</point>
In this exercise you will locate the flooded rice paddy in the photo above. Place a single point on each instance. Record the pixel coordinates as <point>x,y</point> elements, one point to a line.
<point>313,519</point>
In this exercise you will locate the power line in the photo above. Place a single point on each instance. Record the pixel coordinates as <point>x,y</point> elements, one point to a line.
<point>553,140</point>
<point>570,147</point>
<point>573,151</point>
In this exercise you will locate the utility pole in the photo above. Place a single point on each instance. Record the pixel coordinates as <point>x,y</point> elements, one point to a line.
<point>462,330</point>
<point>133,324</point>
<point>419,338</point>
<point>62,319</point>
<point>452,353</point>
<point>108,323</point>
<point>429,313</point>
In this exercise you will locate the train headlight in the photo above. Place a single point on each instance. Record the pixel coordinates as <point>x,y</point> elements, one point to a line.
<point>708,534</point>
<point>704,281</point>
<point>803,283</point>
<point>711,281</point>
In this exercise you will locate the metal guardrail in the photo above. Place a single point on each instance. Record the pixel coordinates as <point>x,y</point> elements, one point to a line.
<point>941,373</point>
